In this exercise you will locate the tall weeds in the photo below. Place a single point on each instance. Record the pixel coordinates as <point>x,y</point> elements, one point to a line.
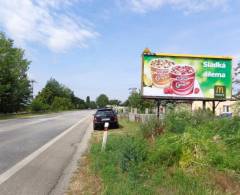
<point>174,155</point>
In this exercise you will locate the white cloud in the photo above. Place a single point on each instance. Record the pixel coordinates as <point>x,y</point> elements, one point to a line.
<point>54,3</point>
<point>188,6</point>
<point>46,22</point>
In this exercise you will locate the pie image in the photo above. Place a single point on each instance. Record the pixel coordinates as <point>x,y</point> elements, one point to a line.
<point>182,79</point>
<point>160,69</point>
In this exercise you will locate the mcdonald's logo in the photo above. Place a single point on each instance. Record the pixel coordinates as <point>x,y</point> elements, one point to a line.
<point>219,92</point>
<point>219,89</point>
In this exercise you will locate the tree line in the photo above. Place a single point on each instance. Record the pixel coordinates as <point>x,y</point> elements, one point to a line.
<point>57,97</point>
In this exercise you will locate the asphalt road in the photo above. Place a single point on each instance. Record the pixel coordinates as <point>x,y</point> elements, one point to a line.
<point>36,152</point>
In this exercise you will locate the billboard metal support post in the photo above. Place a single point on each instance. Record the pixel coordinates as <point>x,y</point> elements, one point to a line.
<point>158,108</point>
<point>213,107</point>
<point>204,105</point>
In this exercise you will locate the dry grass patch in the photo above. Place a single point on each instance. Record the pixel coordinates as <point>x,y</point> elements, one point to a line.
<point>83,180</point>
<point>227,183</point>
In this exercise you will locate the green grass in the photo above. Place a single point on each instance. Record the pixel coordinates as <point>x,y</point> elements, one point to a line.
<point>183,154</point>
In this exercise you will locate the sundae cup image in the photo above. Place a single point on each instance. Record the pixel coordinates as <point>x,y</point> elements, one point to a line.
<point>182,79</point>
<point>160,70</point>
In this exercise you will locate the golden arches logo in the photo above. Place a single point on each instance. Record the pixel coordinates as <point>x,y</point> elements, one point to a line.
<point>220,90</point>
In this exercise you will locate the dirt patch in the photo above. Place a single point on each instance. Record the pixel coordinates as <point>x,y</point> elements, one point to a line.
<point>83,181</point>
<point>227,183</point>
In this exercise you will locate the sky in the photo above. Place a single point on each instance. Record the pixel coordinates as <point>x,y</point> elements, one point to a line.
<point>95,46</point>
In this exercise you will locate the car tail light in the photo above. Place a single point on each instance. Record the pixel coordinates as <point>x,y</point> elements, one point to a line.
<point>97,119</point>
<point>115,118</point>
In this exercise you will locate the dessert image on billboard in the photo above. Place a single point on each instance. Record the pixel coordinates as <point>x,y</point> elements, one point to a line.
<point>182,79</point>
<point>160,70</point>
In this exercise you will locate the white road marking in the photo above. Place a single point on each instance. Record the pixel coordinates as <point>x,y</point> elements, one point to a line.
<point>10,172</point>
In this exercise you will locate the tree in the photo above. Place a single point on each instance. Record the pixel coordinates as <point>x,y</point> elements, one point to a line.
<point>54,89</point>
<point>236,81</point>
<point>114,102</point>
<point>61,103</point>
<point>125,103</point>
<point>78,103</point>
<point>136,101</point>
<point>88,101</point>
<point>58,97</point>
<point>38,106</point>
<point>93,105</point>
<point>102,100</point>
<point>15,88</point>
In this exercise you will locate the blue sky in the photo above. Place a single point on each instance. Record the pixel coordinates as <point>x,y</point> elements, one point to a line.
<point>94,46</point>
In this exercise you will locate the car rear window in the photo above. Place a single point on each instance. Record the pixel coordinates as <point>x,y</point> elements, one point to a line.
<point>104,113</point>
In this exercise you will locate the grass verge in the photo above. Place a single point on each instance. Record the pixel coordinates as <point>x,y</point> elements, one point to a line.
<point>184,154</point>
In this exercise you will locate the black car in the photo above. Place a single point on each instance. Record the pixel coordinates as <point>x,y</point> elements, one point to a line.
<point>105,115</point>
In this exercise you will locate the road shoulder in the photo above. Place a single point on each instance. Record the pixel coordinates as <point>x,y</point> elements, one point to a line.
<point>82,147</point>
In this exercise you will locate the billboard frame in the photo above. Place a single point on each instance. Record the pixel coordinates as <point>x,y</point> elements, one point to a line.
<point>148,53</point>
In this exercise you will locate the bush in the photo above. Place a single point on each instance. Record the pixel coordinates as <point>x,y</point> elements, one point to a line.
<point>195,146</point>
<point>152,128</point>
<point>60,104</point>
<point>227,127</point>
<point>200,117</point>
<point>166,151</point>
<point>134,151</point>
<point>38,106</point>
<point>177,121</point>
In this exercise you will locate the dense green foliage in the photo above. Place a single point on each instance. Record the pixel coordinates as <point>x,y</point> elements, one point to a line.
<point>114,102</point>
<point>15,88</point>
<point>88,102</point>
<point>93,105</point>
<point>77,102</point>
<point>38,106</point>
<point>102,100</point>
<point>53,89</point>
<point>136,101</point>
<point>185,153</point>
<point>61,103</point>
<point>56,97</point>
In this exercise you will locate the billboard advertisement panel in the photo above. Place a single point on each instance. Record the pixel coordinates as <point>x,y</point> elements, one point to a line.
<point>174,76</point>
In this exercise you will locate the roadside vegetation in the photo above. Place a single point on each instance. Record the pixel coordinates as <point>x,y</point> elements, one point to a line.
<point>185,153</point>
<point>135,100</point>
<point>56,97</point>
<point>15,87</point>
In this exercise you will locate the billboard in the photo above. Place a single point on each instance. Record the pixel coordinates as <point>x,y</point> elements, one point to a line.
<point>174,76</point>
